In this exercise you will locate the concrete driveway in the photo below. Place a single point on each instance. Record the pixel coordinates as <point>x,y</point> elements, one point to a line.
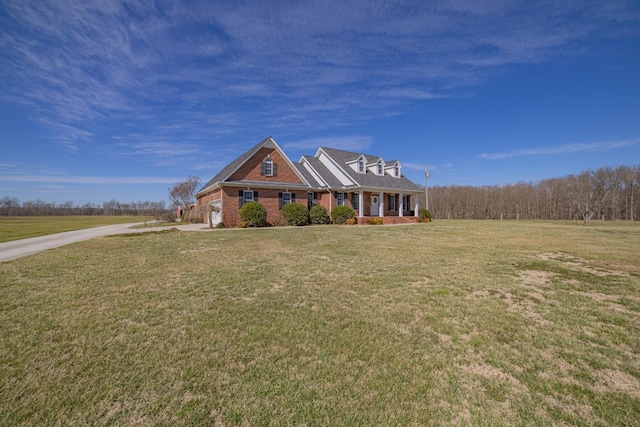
<point>20,248</point>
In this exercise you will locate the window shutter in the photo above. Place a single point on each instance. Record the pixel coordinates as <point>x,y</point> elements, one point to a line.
<point>279,201</point>
<point>275,169</point>
<point>261,168</point>
<point>293,197</point>
<point>240,198</point>
<point>255,196</point>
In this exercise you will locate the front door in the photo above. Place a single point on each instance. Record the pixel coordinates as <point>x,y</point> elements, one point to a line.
<point>375,205</point>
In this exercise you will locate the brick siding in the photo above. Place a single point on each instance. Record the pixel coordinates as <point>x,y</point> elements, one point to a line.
<point>250,170</point>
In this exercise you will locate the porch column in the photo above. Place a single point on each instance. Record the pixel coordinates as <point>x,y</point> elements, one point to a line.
<point>381,205</point>
<point>401,207</point>
<point>361,203</point>
<point>415,213</point>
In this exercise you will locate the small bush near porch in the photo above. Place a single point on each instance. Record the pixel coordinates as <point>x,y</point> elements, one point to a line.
<point>340,214</point>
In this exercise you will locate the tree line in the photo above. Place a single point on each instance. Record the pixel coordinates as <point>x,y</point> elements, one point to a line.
<point>607,193</point>
<point>11,206</point>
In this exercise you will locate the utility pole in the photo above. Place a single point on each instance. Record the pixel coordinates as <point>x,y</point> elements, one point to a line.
<point>426,185</point>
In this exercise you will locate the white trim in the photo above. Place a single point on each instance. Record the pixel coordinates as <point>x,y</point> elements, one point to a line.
<point>270,163</point>
<point>313,172</point>
<point>244,196</point>
<point>377,167</point>
<point>334,168</point>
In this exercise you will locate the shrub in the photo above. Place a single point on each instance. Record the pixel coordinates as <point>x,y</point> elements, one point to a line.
<point>196,215</point>
<point>242,224</point>
<point>375,221</point>
<point>351,221</point>
<point>340,214</point>
<point>166,217</point>
<point>254,214</point>
<point>278,220</point>
<point>295,214</point>
<point>319,215</point>
<point>424,214</point>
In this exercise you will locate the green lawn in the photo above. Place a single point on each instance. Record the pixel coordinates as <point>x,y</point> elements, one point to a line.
<point>22,227</point>
<point>448,323</point>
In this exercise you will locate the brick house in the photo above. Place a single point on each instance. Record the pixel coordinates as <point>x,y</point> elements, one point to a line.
<point>370,185</point>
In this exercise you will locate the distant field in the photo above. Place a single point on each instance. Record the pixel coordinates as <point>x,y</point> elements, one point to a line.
<point>22,227</point>
<point>448,323</point>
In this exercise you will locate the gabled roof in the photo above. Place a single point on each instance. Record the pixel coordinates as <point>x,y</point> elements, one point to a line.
<point>323,171</point>
<point>368,179</point>
<point>228,170</point>
<point>331,171</point>
<point>309,178</point>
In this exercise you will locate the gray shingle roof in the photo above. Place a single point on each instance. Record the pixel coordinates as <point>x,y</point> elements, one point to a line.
<point>307,175</point>
<point>369,179</point>
<point>322,170</point>
<point>228,170</point>
<point>366,180</point>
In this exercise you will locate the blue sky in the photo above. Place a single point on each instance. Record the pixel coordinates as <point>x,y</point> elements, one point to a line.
<point>108,99</point>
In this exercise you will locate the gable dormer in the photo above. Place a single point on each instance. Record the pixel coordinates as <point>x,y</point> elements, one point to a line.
<point>394,168</point>
<point>377,167</point>
<point>359,164</point>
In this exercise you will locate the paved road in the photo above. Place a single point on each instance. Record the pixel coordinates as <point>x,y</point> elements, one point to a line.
<point>20,248</point>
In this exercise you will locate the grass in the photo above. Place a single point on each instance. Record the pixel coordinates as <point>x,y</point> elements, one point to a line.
<point>22,227</point>
<point>448,323</point>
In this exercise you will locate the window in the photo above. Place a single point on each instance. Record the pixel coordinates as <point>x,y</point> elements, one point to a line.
<point>405,203</point>
<point>286,198</point>
<point>355,201</point>
<point>392,202</point>
<point>268,167</point>
<point>247,196</point>
<point>380,171</point>
<point>312,200</point>
<point>360,165</point>
<point>339,199</point>
<point>396,170</point>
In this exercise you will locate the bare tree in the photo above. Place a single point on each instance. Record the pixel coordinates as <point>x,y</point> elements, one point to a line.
<point>587,193</point>
<point>183,193</point>
<point>610,192</point>
<point>629,177</point>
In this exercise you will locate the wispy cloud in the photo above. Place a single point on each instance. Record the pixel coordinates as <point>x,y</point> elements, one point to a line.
<point>562,149</point>
<point>167,71</point>
<point>348,143</point>
<point>94,180</point>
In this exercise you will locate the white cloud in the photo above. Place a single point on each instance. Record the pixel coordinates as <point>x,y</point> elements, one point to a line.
<point>348,143</point>
<point>562,149</point>
<point>88,67</point>
<point>94,180</point>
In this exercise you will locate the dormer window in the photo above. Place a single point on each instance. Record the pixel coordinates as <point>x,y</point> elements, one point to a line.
<point>379,168</point>
<point>360,165</point>
<point>396,170</point>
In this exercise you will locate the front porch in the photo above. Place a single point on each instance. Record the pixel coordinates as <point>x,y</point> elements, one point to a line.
<point>391,207</point>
